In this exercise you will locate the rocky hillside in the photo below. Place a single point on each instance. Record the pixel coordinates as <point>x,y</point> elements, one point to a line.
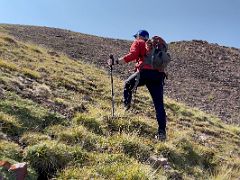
<point>55,114</point>
<point>201,75</point>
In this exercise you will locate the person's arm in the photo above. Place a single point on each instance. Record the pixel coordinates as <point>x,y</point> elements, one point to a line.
<point>133,53</point>
<point>131,56</point>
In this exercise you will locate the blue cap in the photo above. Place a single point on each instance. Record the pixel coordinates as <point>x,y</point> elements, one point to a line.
<point>142,33</point>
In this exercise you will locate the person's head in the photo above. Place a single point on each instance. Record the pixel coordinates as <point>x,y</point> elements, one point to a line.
<point>142,34</point>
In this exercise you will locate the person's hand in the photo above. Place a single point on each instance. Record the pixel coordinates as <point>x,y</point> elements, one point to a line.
<point>110,62</point>
<point>117,61</point>
<point>113,61</point>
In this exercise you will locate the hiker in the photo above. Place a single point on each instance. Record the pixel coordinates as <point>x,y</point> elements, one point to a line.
<point>144,75</point>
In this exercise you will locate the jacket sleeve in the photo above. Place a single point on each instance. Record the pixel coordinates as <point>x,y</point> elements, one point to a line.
<point>133,53</point>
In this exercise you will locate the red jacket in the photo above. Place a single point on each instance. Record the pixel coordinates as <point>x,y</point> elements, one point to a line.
<point>137,51</point>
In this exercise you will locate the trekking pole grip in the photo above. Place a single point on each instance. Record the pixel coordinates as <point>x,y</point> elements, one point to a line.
<point>112,58</point>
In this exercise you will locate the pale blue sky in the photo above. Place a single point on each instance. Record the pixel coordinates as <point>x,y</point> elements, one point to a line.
<point>217,21</point>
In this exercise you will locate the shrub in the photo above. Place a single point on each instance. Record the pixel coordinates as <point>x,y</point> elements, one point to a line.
<point>49,156</point>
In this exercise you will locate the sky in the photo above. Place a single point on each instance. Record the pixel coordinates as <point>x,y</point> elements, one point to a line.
<point>216,21</point>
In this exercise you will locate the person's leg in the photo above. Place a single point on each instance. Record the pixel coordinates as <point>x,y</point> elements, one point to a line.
<point>156,90</point>
<point>130,84</point>
<point>128,87</point>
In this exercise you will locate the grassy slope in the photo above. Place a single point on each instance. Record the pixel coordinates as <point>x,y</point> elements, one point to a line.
<point>55,114</point>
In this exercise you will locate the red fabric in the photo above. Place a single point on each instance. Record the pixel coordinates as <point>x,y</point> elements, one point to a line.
<point>136,53</point>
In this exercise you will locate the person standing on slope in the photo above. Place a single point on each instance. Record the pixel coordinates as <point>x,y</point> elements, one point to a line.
<point>144,75</point>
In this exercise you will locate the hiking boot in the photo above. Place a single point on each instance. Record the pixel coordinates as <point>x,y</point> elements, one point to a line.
<point>161,136</point>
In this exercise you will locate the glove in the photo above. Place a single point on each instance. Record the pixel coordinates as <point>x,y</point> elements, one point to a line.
<point>113,62</point>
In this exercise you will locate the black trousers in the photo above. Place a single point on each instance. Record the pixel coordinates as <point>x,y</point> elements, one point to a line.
<point>154,81</point>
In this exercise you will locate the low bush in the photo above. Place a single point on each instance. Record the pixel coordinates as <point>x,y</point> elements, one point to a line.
<point>49,156</point>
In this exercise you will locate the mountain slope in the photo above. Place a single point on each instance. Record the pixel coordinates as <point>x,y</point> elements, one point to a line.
<point>201,75</point>
<point>55,114</point>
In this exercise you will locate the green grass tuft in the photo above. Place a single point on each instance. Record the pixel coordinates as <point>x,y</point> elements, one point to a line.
<point>75,135</point>
<point>136,149</point>
<point>8,65</point>
<point>91,123</point>
<point>49,156</point>
<point>10,150</point>
<point>30,73</point>
<point>10,125</point>
<point>33,138</point>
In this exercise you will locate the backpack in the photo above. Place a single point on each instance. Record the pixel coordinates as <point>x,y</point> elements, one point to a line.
<point>157,56</point>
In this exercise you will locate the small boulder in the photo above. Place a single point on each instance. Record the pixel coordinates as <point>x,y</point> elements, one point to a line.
<point>20,170</point>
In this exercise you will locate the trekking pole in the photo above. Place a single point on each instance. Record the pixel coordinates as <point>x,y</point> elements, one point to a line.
<point>111,74</point>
